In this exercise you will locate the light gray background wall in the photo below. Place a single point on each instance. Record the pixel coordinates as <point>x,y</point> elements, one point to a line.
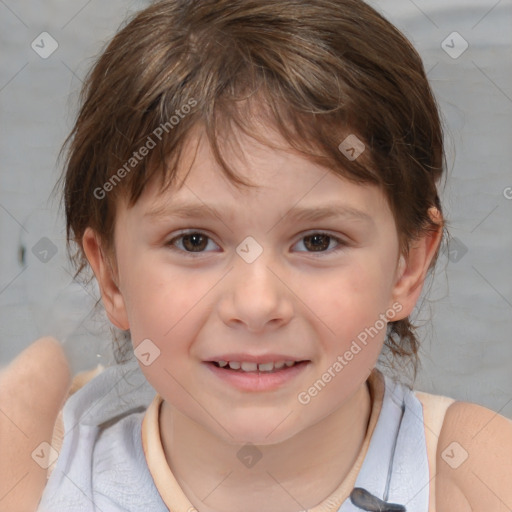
<point>467,315</point>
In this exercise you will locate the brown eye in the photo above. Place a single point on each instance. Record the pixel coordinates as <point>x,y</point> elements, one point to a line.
<point>317,242</point>
<point>191,242</point>
<point>195,242</point>
<point>320,242</point>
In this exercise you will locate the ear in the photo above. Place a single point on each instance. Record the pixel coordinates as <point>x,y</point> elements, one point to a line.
<point>412,269</point>
<point>107,279</point>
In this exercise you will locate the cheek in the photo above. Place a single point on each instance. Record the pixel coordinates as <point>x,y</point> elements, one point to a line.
<point>165,305</point>
<point>148,286</point>
<point>353,296</point>
<point>350,304</point>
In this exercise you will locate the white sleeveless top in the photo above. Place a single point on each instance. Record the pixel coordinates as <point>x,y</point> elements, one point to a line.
<point>112,460</point>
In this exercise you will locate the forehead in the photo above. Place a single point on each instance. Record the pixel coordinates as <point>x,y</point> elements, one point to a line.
<point>284,183</point>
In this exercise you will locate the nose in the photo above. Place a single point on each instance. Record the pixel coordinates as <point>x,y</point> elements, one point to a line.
<point>255,296</point>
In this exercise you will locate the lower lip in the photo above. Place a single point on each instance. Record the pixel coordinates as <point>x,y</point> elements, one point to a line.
<point>258,381</point>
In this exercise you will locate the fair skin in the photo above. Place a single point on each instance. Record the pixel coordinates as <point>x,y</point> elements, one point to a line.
<point>482,482</point>
<point>289,300</point>
<point>34,386</point>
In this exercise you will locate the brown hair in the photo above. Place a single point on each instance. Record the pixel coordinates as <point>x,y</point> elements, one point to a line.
<point>318,70</point>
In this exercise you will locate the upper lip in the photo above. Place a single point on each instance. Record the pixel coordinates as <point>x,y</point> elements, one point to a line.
<point>259,359</point>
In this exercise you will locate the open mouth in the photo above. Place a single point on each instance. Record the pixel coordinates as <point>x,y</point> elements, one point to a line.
<point>262,368</point>
<point>255,377</point>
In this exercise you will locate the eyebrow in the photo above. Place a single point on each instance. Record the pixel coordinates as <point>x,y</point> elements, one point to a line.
<point>194,211</point>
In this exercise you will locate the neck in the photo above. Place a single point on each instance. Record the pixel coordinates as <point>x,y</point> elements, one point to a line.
<point>293,475</point>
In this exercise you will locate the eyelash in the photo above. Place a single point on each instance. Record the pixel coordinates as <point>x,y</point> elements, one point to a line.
<point>342,244</point>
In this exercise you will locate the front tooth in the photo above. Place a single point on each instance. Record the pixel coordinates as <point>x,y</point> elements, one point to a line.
<point>278,365</point>
<point>266,367</point>
<point>234,365</point>
<point>249,367</point>
<point>289,363</point>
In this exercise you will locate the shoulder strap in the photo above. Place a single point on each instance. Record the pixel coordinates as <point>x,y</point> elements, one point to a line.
<point>434,411</point>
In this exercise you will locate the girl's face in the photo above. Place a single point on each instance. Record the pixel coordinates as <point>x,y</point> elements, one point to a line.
<point>303,268</point>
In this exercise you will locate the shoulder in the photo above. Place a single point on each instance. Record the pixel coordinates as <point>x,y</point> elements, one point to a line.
<point>105,463</point>
<point>474,460</point>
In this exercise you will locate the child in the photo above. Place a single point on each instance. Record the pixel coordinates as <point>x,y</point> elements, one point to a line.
<point>254,185</point>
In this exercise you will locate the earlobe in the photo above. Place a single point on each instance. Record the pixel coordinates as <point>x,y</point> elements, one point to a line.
<point>111,295</point>
<point>412,268</point>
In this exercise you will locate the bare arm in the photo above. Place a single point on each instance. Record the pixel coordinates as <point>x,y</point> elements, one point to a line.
<point>477,443</point>
<point>33,389</point>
